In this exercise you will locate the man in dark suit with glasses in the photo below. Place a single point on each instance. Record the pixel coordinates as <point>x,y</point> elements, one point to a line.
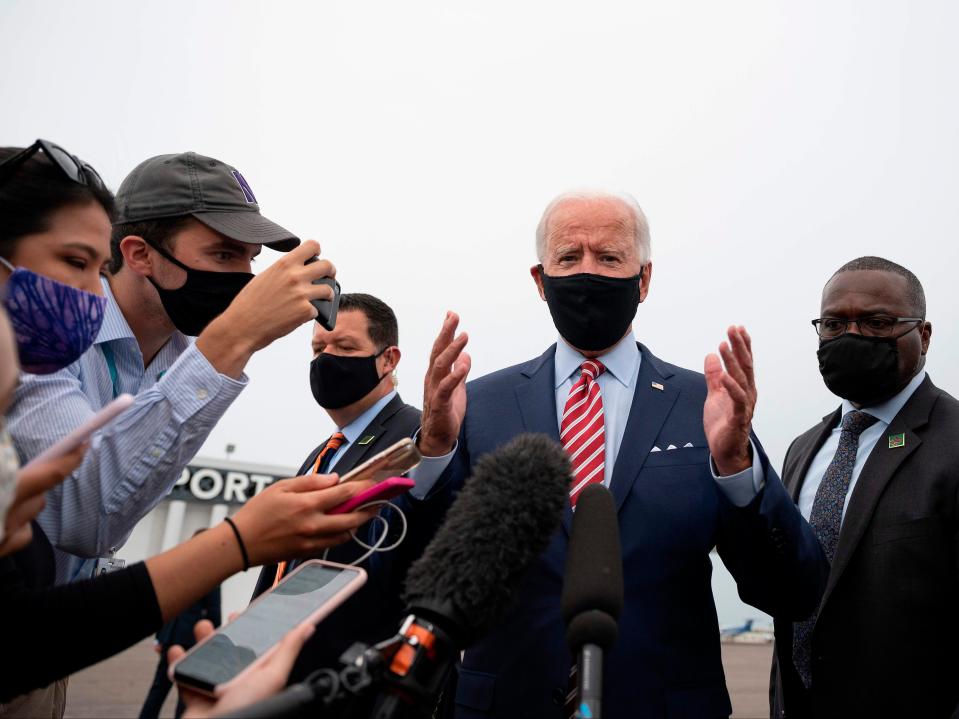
<point>878,480</point>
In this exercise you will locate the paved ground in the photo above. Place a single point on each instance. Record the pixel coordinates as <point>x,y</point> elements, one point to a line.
<point>115,689</point>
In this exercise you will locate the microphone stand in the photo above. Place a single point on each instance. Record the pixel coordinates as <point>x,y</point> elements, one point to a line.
<point>589,682</point>
<point>400,678</point>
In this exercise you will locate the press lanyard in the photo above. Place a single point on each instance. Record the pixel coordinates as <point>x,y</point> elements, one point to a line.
<point>111,361</point>
<point>111,367</point>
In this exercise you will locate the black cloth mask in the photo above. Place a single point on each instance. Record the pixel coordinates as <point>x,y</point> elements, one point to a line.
<point>591,312</point>
<point>341,380</point>
<point>204,296</point>
<point>864,370</point>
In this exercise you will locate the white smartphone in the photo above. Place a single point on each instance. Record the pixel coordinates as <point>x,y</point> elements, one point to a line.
<point>307,595</point>
<point>391,462</point>
<point>82,433</point>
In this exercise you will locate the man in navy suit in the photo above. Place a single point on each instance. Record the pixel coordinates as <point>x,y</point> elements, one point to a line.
<point>675,449</point>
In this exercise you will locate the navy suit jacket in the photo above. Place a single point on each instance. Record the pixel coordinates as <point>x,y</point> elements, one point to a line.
<point>672,513</point>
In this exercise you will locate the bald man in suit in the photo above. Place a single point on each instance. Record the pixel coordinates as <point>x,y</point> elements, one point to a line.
<point>878,480</point>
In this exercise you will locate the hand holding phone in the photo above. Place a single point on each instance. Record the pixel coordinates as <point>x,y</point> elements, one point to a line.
<point>237,649</point>
<point>392,461</point>
<point>326,309</point>
<point>387,489</point>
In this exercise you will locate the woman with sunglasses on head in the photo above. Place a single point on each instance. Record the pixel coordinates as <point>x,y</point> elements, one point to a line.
<point>55,215</point>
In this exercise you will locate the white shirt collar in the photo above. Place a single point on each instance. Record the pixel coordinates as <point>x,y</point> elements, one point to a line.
<point>620,361</point>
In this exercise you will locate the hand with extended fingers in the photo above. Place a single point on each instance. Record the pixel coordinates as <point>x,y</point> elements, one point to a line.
<point>730,402</point>
<point>444,390</point>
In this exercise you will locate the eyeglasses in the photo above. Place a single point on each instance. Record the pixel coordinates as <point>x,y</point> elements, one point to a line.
<point>72,166</point>
<point>870,326</point>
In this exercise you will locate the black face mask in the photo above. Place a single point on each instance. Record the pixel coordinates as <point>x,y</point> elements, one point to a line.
<point>339,380</point>
<point>590,311</point>
<point>204,296</point>
<point>864,370</point>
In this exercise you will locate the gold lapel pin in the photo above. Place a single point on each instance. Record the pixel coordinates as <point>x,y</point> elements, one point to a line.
<point>657,385</point>
<point>367,439</point>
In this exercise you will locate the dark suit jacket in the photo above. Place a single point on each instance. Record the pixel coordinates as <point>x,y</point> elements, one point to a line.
<point>375,611</point>
<point>179,630</point>
<point>886,643</point>
<point>666,661</point>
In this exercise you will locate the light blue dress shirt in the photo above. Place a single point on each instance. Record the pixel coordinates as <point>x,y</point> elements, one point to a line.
<point>353,429</point>
<point>617,386</point>
<point>885,413</point>
<point>134,461</point>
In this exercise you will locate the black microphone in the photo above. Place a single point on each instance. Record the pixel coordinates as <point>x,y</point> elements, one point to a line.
<point>592,596</point>
<point>501,521</point>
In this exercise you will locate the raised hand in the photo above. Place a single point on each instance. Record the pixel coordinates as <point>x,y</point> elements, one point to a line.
<point>444,390</point>
<point>288,518</point>
<point>730,402</point>
<point>272,305</point>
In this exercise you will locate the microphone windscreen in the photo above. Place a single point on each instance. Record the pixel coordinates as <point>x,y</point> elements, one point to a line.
<point>594,563</point>
<point>502,520</point>
<point>592,627</point>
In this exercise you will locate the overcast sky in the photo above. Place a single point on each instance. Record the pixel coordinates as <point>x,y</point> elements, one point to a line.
<point>419,142</point>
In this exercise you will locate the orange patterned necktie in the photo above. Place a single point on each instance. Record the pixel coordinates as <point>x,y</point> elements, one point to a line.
<point>332,444</point>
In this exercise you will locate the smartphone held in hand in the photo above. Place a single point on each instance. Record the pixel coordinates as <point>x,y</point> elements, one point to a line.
<point>305,596</point>
<point>392,461</point>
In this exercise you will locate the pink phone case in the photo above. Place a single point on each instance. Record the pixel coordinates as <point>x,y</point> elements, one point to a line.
<point>332,603</point>
<point>387,489</point>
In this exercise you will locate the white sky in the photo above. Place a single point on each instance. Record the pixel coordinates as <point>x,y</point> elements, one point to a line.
<point>767,142</point>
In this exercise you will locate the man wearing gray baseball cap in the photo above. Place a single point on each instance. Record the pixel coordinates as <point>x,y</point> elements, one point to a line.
<point>186,230</point>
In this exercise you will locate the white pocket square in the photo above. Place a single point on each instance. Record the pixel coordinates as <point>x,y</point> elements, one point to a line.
<point>655,449</point>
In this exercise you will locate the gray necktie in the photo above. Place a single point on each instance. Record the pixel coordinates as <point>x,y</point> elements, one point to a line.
<point>826,521</point>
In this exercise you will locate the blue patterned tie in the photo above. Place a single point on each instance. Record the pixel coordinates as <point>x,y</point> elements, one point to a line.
<point>826,520</point>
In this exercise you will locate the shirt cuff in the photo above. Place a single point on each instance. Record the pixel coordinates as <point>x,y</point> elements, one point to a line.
<point>428,471</point>
<point>741,488</point>
<point>192,383</point>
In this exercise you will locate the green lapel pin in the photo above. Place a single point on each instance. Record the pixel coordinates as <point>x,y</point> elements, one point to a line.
<point>367,439</point>
<point>897,440</point>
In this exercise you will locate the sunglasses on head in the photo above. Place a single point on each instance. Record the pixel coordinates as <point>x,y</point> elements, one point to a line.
<point>72,166</point>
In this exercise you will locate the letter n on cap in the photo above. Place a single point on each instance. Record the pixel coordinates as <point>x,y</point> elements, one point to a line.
<point>245,186</point>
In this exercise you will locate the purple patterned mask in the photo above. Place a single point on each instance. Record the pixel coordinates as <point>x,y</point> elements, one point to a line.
<point>54,323</point>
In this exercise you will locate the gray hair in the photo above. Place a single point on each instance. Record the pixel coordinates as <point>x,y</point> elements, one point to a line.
<point>640,224</point>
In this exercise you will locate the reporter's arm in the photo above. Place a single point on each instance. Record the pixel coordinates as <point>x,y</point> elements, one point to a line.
<point>132,463</point>
<point>58,630</point>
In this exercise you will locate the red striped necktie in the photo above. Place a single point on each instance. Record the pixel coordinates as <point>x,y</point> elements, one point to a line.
<point>583,429</point>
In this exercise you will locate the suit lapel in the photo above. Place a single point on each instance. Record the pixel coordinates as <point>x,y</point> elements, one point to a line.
<point>357,453</point>
<point>647,415</point>
<point>879,469</point>
<point>795,480</point>
<point>536,398</point>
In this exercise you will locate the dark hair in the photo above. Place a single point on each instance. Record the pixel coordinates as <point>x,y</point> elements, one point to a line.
<point>158,233</point>
<point>35,191</point>
<point>382,321</point>
<point>916,297</point>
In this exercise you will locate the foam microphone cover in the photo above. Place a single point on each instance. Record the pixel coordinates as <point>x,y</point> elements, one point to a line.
<point>502,520</point>
<point>594,562</point>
